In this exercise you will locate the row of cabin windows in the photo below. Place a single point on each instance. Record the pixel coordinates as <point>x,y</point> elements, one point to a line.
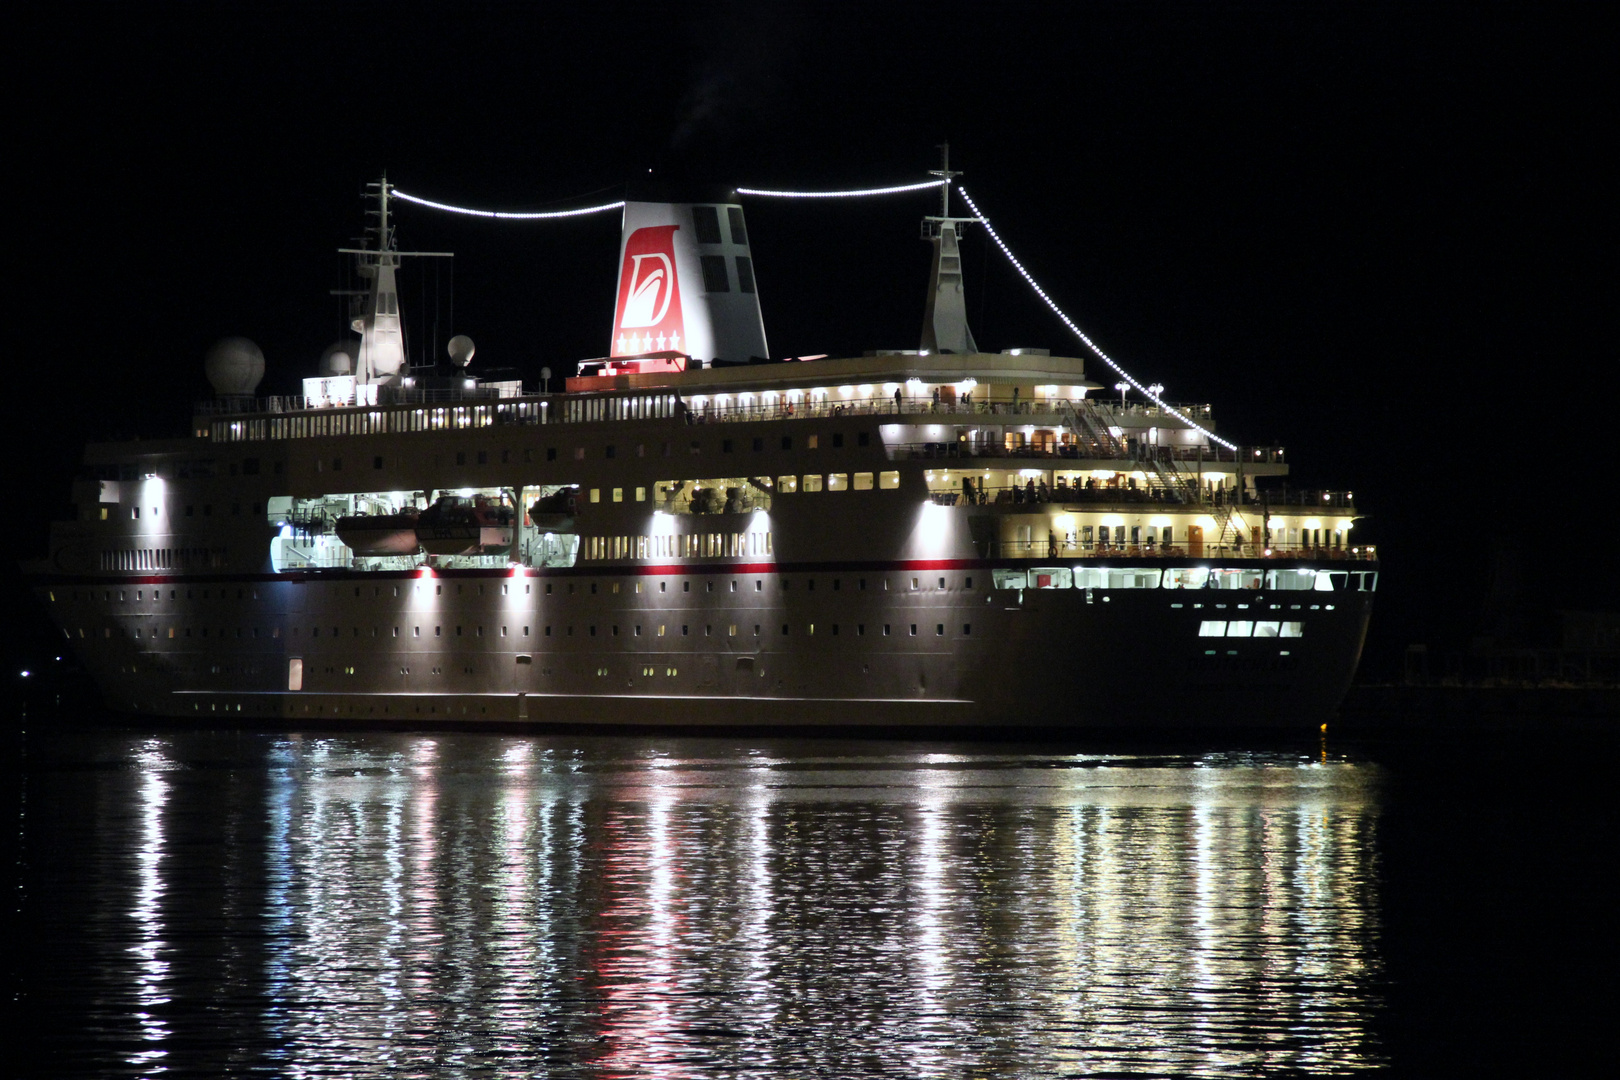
<point>740,630</point>
<point>1150,535</point>
<point>788,484</point>
<point>190,511</point>
<point>251,466</point>
<point>163,559</point>
<point>759,585</point>
<point>614,587</point>
<point>506,588</point>
<point>157,594</point>
<point>172,633</point>
<point>611,451</point>
<point>612,630</point>
<point>677,546</point>
<point>183,470</point>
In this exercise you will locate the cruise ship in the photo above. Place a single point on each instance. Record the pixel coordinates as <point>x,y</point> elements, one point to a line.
<point>690,535</point>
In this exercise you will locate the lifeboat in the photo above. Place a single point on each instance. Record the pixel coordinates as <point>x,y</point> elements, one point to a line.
<point>455,525</point>
<point>379,534</point>
<point>555,513</point>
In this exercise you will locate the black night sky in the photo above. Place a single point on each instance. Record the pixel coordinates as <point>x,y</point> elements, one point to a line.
<point>1370,233</point>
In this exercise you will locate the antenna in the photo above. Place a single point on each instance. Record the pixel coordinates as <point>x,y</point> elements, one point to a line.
<point>944,173</point>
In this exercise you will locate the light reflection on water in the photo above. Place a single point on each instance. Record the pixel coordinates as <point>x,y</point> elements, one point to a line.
<point>506,906</point>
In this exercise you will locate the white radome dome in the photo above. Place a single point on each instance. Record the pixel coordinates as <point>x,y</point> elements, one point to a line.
<point>461,349</point>
<point>336,359</point>
<point>234,366</point>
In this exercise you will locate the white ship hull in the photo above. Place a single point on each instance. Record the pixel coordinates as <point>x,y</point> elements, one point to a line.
<point>907,539</point>
<point>491,647</point>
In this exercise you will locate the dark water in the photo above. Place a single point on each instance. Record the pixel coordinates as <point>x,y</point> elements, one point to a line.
<point>210,903</point>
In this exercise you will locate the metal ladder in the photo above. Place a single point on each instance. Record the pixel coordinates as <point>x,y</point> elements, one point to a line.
<point>1092,429</point>
<point>1087,422</point>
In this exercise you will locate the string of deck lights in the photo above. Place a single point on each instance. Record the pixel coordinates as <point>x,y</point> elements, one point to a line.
<point>896,190</point>
<point>507,214</point>
<point>1151,393</point>
<point>1146,392</point>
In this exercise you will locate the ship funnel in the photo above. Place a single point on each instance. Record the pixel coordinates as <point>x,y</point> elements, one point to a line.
<point>686,283</point>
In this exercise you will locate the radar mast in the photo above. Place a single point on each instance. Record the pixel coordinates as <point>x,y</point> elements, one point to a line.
<point>381,329</point>
<point>945,327</point>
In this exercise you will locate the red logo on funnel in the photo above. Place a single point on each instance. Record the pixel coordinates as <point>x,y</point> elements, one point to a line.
<point>648,318</point>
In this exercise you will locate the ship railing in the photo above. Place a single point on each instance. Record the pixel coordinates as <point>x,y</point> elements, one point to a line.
<point>706,411</point>
<point>1020,495</point>
<point>1142,455</point>
<point>1336,500</point>
<point>709,411</point>
<point>1033,493</point>
<point>1065,547</point>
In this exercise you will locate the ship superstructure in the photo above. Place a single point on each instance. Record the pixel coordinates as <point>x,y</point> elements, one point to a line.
<point>939,537</point>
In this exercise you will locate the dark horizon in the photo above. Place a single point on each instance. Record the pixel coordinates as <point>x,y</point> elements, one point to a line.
<point>1369,235</point>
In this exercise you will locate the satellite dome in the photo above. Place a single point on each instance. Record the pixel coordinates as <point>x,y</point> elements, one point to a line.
<point>461,349</point>
<point>336,359</point>
<point>234,366</point>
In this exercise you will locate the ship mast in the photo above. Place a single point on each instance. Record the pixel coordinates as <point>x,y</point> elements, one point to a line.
<point>379,324</point>
<point>945,327</point>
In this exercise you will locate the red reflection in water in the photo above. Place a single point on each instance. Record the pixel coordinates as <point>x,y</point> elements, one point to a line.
<point>633,947</point>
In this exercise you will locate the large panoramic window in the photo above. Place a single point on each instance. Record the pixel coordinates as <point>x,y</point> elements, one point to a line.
<point>1186,577</point>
